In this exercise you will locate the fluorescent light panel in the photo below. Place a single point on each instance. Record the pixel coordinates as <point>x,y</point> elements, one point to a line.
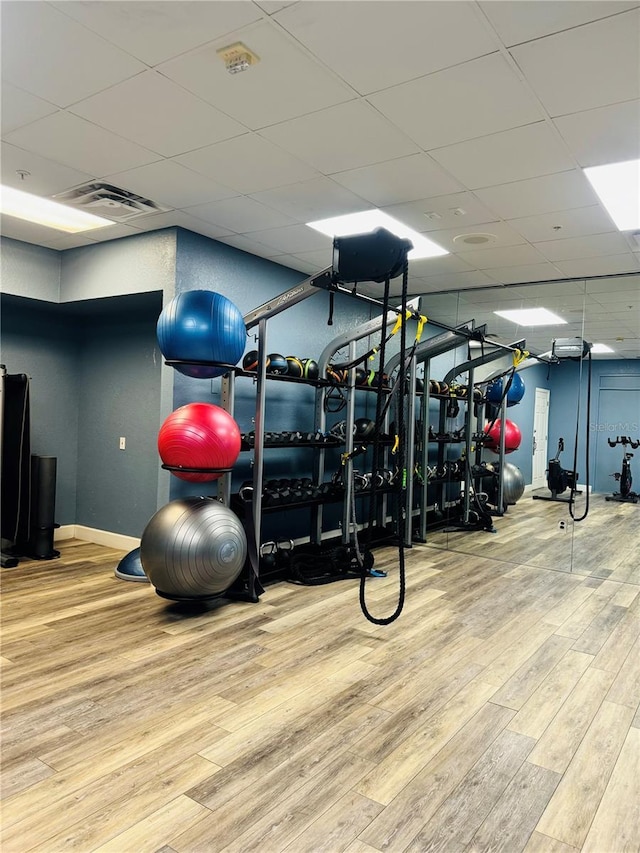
<point>368,220</point>
<point>618,187</point>
<point>596,348</point>
<point>44,211</point>
<point>531,317</point>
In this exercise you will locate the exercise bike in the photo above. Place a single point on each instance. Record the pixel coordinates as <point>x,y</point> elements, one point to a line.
<point>625,495</point>
<point>559,480</point>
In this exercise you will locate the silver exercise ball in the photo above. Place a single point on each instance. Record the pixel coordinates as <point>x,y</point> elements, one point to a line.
<point>513,483</point>
<point>193,548</point>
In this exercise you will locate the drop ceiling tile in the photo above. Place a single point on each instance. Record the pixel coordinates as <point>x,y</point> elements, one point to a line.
<point>504,236</point>
<point>513,155</point>
<point>179,219</point>
<point>311,200</point>
<point>530,19</point>
<point>620,284</point>
<point>570,223</point>
<point>294,263</point>
<point>343,137</point>
<point>605,135</point>
<point>247,244</point>
<point>441,265</point>
<point>273,6</point>
<point>111,232</point>
<point>171,184</point>
<point>19,107</point>
<point>293,240</point>
<point>583,247</point>
<point>459,280</point>
<point>380,44</point>
<point>154,32</point>
<point>34,38</point>
<point>524,272</point>
<point>152,111</point>
<point>75,142</point>
<point>442,212</point>
<point>509,256</point>
<point>319,260</point>
<point>67,241</point>
<point>545,194</point>
<point>400,180</point>
<point>587,67</point>
<point>285,83</point>
<point>248,163</point>
<point>27,232</point>
<point>603,265</point>
<point>239,214</point>
<point>487,94</point>
<point>46,177</point>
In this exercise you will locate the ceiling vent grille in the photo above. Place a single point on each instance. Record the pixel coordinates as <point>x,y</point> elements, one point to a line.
<point>109,201</point>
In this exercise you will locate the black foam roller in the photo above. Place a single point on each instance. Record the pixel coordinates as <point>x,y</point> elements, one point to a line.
<point>43,507</point>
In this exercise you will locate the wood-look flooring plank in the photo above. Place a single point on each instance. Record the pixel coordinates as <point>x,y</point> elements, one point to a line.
<point>454,824</point>
<point>625,689</point>
<point>616,648</point>
<point>561,739</point>
<point>571,810</point>
<point>145,835</point>
<point>358,846</point>
<point>514,817</point>
<point>525,680</point>
<point>512,657</point>
<point>616,825</point>
<point>545,702</point>
<point>338,827</point>
<point>419,800</point>
<point>22,775</point>
<point>539,843</point>
<point>596,635</point>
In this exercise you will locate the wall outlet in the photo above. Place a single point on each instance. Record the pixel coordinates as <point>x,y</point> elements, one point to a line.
<point>562,525</point>
<point>123,443</point>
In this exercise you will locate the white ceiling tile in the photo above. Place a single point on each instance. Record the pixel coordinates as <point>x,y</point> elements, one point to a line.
<point>284,84</point>
<point>319,260</point>
<point>569,223</point>
<point>603,265</point>
<point>239,214</point>
<point>180,219</point>
<point>111,232</point>
<point>509,256</point>
<point>248,163</point>
<point>34,38</point>
<point>19,107</point>
<point>620,284</point>
<point>531,19</point>
<point>342,137</point>
<point>76,142</point>
<point>373,45</point>
<point>399,180</point>
<point>539,195</point>
<point>152,111</point>
<point>272,6</point>
<point>46,177</point>
<point>474,99</point>
<point>293,240</point>
<point>294,263</point>
<point>459,280</point>
<point>169,183</point>
<point>603,58</point>
<point>311,200</point>
<point>458,210</point>
<point>583,247</point>
<point>513,155</point>
<point>504,236</point>
<point>155,31</point>
<point>28,232</point>
<point>67,241</point>
<point>441,265</point>
<point>248,244</point>
<point>524,272</point>
<point>605,135</point>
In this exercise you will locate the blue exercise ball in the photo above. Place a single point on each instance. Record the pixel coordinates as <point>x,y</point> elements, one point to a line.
<point>514,394</point>
<point>200,325</point>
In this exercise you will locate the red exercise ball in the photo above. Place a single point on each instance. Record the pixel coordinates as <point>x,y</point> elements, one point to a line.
<point>199,435</point>
<point>512,436</point>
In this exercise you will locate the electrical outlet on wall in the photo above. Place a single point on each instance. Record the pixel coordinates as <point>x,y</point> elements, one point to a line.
<point>123,443</point>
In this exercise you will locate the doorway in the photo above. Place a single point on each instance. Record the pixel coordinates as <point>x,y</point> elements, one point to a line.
<point>540,438</point>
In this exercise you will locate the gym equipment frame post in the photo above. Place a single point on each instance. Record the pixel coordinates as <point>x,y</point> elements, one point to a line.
<point>424,461</point>
<point>503,419</point>
<point>425,351</point>
<point>338,343</point>
<point>348,449</point>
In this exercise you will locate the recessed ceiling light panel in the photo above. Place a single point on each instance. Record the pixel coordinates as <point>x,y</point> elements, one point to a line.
<point>44,211</point>
<point>368,220</point>
<point>618,187</point>
<point>531,317</point>
<point>600,348</point>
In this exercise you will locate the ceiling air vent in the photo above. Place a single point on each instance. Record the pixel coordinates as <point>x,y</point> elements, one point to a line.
<point>110,202</point>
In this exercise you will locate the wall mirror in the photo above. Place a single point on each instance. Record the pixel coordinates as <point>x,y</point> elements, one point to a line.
<point>604,311</point>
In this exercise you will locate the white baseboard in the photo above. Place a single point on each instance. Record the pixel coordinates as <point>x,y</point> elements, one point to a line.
<point>99,537</point>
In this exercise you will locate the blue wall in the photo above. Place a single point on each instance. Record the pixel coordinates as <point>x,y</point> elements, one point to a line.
<point>610,415</point>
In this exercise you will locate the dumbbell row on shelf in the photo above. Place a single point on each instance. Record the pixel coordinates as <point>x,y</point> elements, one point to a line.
<point>300,490</point>
<point>292,437</point>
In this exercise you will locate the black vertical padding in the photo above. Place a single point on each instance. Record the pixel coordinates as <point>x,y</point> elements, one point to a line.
<point>16,462</point>
<point>43,507</point>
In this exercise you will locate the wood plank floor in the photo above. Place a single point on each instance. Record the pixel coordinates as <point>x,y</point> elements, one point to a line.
<point>500,712</point>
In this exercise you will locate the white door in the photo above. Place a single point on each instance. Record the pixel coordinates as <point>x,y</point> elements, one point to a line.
<point>540,438</point>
